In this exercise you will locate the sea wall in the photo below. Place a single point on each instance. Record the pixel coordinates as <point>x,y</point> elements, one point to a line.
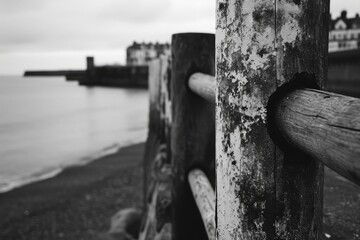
<point>344,73</point>
<point>116,76</point>
<point>51,73</point>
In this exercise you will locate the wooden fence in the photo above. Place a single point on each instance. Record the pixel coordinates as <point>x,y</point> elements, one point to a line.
<point>259,132</point>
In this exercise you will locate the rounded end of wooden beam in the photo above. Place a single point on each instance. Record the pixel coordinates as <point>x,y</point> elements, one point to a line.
<point>203,85</point>
<point>193,52</point>
<point>299,81</point>
<point>192,132</point>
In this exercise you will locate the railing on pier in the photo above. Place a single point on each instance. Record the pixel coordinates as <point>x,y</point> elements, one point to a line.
<point>265,113</point>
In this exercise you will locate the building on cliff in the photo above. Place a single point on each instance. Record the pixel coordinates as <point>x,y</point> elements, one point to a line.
<point>344,33</point>
<point>142,53</point>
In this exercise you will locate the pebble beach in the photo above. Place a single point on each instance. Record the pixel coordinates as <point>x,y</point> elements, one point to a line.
<point>76,204</point>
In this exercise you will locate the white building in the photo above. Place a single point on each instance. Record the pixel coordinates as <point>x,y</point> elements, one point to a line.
<point>344,33</point>
<point>142,53</point>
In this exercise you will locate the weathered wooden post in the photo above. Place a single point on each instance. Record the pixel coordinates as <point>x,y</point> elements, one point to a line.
<point>264,191</point>
<point>157,169</point>
<point>165,100</point>
<point>193,129</point>
<point>155,133</point>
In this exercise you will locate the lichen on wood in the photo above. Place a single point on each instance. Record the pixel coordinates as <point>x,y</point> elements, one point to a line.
<point>258,46</point>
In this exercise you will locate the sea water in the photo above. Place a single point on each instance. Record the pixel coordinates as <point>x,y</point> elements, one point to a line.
<point>47,124</point>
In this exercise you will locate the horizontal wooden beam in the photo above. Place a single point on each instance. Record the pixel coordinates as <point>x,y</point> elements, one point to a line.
<point>205,199</point>
<point>324,125</point>
<point>203,85</point>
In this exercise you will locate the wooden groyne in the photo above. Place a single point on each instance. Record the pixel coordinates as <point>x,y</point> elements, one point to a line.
<point>240,155</point>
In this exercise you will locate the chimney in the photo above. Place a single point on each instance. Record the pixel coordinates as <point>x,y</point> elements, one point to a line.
<point>343,14</point>
<point>357,15</point>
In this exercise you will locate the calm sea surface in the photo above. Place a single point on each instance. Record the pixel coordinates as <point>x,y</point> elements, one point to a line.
<point>47,124</point>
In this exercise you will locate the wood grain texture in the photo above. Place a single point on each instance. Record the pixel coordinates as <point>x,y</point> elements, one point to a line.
<point>157,170</point>
<point>205,200</point>
<point>324,125</point>
<point>264,192</point>
<point>165,101</point>
<point>204,85</point>
<point>192,132</point>
<point>154,138</point>
<point>157,219</point>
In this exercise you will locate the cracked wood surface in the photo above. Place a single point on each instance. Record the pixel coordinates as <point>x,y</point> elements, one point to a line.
<point>324,125</point>
<point>264,192</point>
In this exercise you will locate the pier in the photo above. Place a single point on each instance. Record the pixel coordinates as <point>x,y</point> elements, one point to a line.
<point>107,75</point>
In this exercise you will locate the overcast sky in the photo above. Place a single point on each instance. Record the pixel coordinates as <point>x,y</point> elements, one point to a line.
<point>57,34</point>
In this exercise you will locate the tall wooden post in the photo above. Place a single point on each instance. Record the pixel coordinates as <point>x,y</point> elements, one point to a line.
<point>155,133</point>
<point>193,129</point>
<point>265,191</point>
<point>157,170</point>
<point>165,101</point>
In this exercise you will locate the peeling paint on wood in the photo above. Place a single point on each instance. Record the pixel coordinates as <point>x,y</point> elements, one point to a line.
<point>260,45</point>
<point>245,58</point>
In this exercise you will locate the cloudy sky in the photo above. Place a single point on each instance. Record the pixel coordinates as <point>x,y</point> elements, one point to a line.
<point>58,34</point>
